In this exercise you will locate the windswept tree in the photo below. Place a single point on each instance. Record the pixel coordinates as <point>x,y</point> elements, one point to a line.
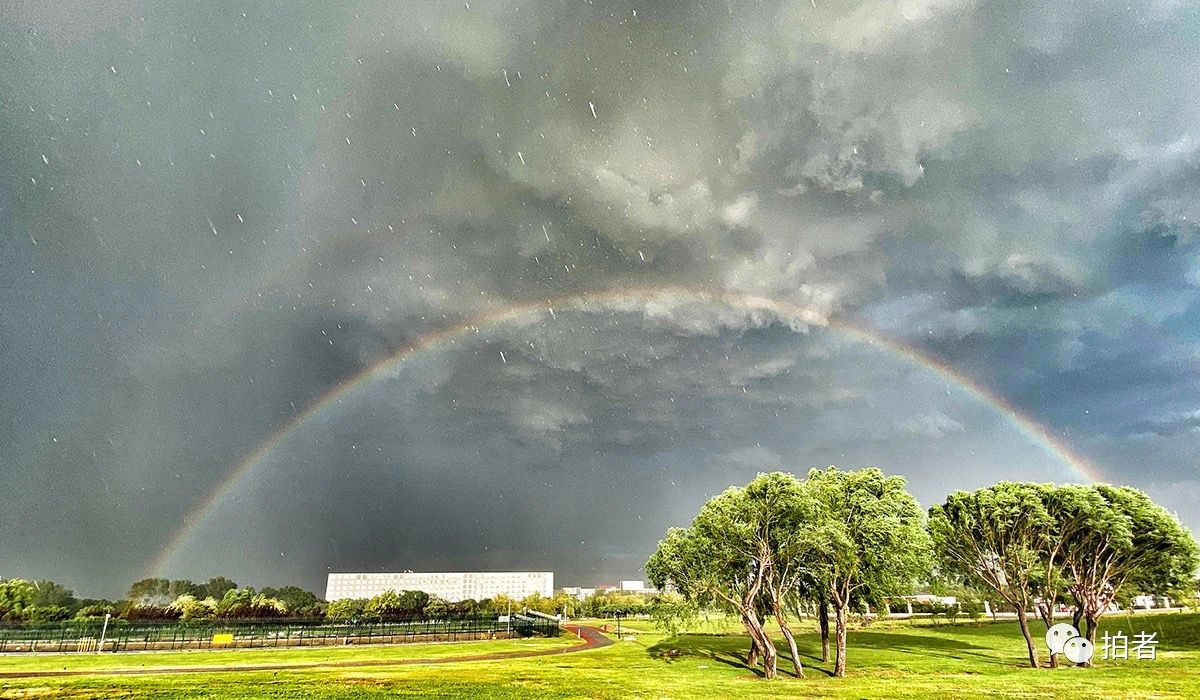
<point>872,541</point>
<point>1076,512</point>
<point>16,595</point>
<point>215,588</point>
<point>50,594</point>
<point>788,512</point>
<point>838,537</point>
<point>997,536</point>
<point>191,608</point>
<point>723,558</point>
<point>1129,543</point>
<point>150,591</point>
<point>296,599</point>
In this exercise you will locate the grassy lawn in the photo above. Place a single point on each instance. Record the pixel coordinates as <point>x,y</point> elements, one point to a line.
<point>887,659</point>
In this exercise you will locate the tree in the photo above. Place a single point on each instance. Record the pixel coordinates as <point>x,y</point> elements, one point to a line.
<point>564,604</point>
<point>538,603</point>
<point>150,591</point>
<point>504,604</point>
<point>15,595</point>
<point>191,608</point>
<point>789,510</point>
<point>671,612</point>
<point>871,541</point>
<point>1129,541</point>
<point>436,609</point>
<point>1077,512</point>
<point>240,603</point>
<point>996,536</point>
<point>94,610</point>
<point>297,600</point>
<point>706,571</point>
<point>412,603</point>
<point>725,557</point>
<point>215,588</point>
<point>391,605</point>
<point>45,613</point>
<point>345,609</point>
<point>183,587</point>
<point>48,593</point>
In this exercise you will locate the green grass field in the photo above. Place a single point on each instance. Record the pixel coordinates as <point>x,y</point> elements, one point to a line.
<point>887,659</point>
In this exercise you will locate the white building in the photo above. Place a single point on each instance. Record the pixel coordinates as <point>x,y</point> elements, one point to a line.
<point>579,593</point>
<point>452,587</point>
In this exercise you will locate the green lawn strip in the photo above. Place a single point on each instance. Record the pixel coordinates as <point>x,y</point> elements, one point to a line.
<point>955,662</point>
<point>384,653</point>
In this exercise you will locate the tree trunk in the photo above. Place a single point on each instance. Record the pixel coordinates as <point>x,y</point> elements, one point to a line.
<point>823,618</point>
<point>1033,655</point>
<point>1077,616</point>
<point>1093,622</point>
<point>1046,612</point>
<point>752,656</point>
<point>765,647</point>
<point>791,640</point>
<point>839,662</point>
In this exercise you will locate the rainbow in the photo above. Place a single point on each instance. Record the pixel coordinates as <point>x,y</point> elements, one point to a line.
<point>628,299</point>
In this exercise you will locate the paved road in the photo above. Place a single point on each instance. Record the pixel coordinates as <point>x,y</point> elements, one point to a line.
<point>593,639</point>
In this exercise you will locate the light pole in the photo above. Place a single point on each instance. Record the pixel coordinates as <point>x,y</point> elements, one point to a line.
<point>103,632</point>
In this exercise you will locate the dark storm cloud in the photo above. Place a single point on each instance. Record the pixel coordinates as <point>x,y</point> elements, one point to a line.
<point>214,216</point>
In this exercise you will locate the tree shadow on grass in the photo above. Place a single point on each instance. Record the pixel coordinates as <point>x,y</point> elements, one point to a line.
<point>729,649</point>
<point>726,649</point>
<point>926,646</point>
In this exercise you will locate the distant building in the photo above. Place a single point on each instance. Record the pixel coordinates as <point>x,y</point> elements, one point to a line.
<point>629,586</point>
<point>1151,601</point>
<point>579,593</point>
<point>452,587</point>
<point>930,599</point>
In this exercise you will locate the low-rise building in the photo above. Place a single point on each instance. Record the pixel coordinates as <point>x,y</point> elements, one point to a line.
<point>449,586</point>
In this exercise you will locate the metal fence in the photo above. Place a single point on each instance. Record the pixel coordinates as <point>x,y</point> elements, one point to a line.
<point>143,635</point>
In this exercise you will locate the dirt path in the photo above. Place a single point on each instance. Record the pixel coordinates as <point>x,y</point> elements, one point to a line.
<point>593,639</point>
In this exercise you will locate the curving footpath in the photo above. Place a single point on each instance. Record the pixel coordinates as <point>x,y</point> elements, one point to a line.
<point>593,639</point>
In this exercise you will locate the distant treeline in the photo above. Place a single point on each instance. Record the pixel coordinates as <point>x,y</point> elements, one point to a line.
<point>155,599</point>
<point>221,598</point>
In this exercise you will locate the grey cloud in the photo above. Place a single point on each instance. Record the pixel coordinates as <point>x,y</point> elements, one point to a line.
<point>1007,189</point>
<point>934,425</point>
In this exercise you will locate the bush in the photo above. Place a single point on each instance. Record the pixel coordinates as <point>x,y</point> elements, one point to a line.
<point>345,609</point>
<point>149,612</point>
<point>88,612</point>
<point>973,608</point>
<point>239,603</point>
<point>45,613</point>
<point>189,608</point>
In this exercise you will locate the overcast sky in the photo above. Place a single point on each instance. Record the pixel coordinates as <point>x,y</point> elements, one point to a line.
<point>213,215</point>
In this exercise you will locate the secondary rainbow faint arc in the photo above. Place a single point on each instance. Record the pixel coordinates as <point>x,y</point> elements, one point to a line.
<point>785,311</point>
